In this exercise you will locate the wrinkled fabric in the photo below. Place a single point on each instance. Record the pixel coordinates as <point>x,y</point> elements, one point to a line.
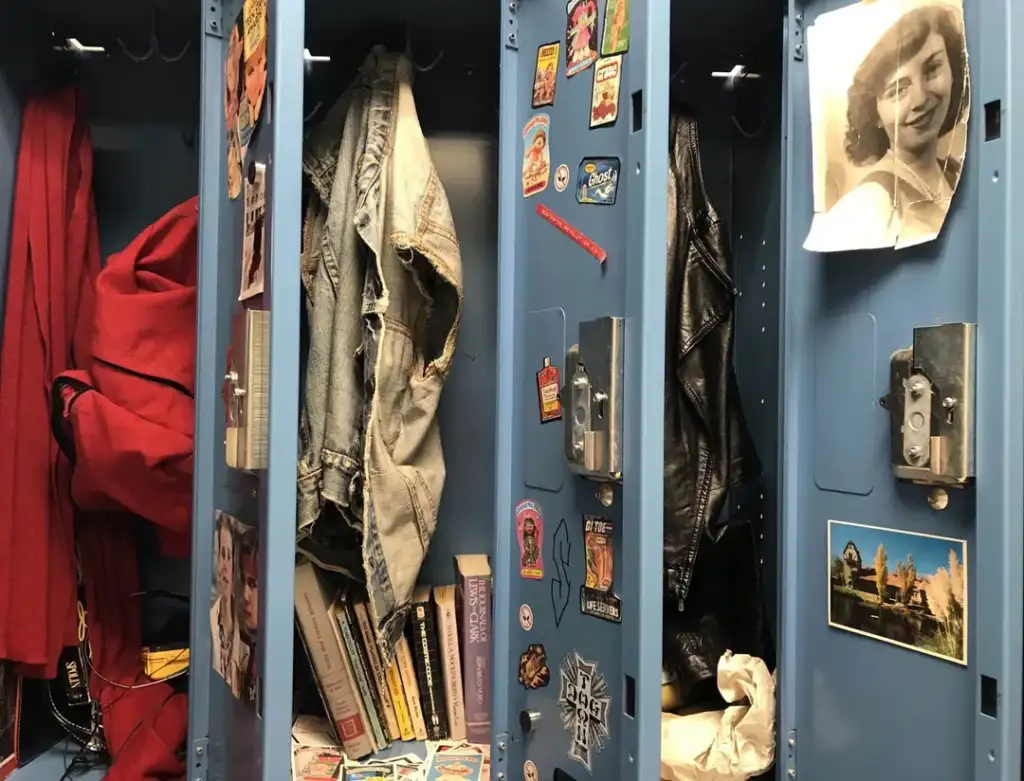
<point>383,277</point>
<point>714,599</point>
<point>49,329</point>
<point>728,745</point>
<point>127,423</point>
<point>708,449</point>
<point>53,262</point>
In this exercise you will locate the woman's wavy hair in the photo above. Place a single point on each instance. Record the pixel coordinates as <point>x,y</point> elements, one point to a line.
<point>866,139</point>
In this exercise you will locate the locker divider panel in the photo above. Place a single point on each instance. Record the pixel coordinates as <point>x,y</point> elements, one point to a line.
<point>834,684</point>
<point>543,270</point>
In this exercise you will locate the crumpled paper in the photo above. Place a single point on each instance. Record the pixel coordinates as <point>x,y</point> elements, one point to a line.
<point>730,745</point>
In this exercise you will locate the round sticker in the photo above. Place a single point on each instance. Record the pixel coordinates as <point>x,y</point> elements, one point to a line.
<point>526,617</point>
<point>530,771</point>
<point>561,177</point>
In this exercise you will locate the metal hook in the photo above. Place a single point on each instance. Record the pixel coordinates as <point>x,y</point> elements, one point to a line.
<point>154,46</point>
<point>408,53</point>
<point>312,113</point>
<point>677,73</point>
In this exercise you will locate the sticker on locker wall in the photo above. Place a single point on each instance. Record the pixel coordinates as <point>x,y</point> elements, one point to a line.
<point>536,155</point>
<point>580,35</point>
<point>545,77</point>
<point>548,388</point>
<point>254,232</point>
<point>530,531</point>
<point>577,236</point>
<point>596,598</point>
<point>585,705</point>
<point>561,177</point>
<point>597,180</point>
<point>530,772</point>
<point>534,672</point>
<point>616,28</point>
<point>604,103</point>
<point>526,617</point>
<point>254,22</point>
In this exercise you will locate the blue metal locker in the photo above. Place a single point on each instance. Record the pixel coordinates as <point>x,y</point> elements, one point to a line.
<point>813,338</point>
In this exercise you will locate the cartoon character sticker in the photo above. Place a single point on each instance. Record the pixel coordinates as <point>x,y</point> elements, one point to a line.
<point>534,672</point>
<point>254,233</point>
<point>536,155</point>
<point>545,77</point>
<point>585,702</point>
<point>455,767</point>
<point>597,181</point>
<point>580,35</point>
<point>604,104</point>
<point>561,177</point>
<point>616,28</point>
<point>530,529</point>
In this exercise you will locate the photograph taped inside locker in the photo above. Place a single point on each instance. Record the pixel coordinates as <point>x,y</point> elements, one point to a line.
<point>890,102</point>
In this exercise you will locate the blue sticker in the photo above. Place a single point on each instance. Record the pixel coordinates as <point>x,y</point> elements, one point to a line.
<point>598,180</point>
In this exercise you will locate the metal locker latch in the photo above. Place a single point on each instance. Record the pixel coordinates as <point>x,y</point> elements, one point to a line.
<point>593,396</point>
<point>245,392</point>
<point>931,404</point>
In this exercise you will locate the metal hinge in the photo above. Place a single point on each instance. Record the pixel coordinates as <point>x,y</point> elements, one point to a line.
<point>791,754</point>
<point>799,39</point>
<point>213,18</point>
<point>512,25</point>
<point>197,765</point>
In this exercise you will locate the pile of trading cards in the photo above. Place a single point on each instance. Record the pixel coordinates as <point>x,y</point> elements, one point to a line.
<point>317,757</point>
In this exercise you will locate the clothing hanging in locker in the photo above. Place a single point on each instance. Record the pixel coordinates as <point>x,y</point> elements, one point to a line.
<point>382,273</point>
<point>713,601</point>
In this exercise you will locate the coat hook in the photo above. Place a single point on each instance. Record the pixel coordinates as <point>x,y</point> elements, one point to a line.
<point>408,53</point>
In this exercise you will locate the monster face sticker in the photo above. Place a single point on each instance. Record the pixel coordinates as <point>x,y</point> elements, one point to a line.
<point>530,531</point>
<point>580,35</point>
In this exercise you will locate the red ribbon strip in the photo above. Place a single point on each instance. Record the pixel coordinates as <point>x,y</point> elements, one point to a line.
<point>589,245</point>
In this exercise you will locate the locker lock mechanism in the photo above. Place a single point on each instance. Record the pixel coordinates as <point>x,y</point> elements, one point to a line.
<point>593,396</point>
<point>931,404</point>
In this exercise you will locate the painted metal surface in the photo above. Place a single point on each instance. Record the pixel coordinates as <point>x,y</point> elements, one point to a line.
<point>548,284</point>
<point>854,310</point>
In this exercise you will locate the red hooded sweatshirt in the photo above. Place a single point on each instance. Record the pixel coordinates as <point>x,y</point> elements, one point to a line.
<point>50,335</point>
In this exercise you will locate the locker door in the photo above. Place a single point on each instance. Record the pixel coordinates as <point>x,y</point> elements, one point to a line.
<point>575,691</point>
<point>854,705</point>
<point>229,739</point>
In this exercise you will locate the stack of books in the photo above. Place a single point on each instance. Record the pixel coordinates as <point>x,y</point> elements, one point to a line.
<point>437,684</point>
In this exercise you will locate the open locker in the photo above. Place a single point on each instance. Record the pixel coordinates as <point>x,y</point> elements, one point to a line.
<point>100,125</point>
<point>813,334</point>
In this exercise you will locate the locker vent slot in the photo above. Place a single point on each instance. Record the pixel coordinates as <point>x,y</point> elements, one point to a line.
<point>629,696</point>
<point>637,103</point>
<point>993,120</point>
<point>989,697</point>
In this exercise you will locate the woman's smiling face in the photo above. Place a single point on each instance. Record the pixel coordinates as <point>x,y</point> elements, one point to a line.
<point>914,102</point>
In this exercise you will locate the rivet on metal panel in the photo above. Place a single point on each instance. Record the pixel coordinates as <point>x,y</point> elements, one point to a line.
<point>798,35</point>
<point>512,23</point>
<point>213,16</point>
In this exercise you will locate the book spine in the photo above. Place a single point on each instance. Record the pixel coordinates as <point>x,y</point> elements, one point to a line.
<point>360,618</point>
<point>428,671</point>
<point>448,635</point>
<point>359,673</point>
<point>324,648</point>
<point>402,713</point>
<point>475,628</point>
<point>403,657</point>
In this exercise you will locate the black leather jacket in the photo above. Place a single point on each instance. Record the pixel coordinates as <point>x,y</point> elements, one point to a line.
<point>708,448</point>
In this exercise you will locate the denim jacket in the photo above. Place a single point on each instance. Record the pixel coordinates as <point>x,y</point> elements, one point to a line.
<point>383,277</point>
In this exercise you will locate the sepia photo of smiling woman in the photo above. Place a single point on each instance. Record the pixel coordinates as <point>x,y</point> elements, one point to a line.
<point>909,93</point>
